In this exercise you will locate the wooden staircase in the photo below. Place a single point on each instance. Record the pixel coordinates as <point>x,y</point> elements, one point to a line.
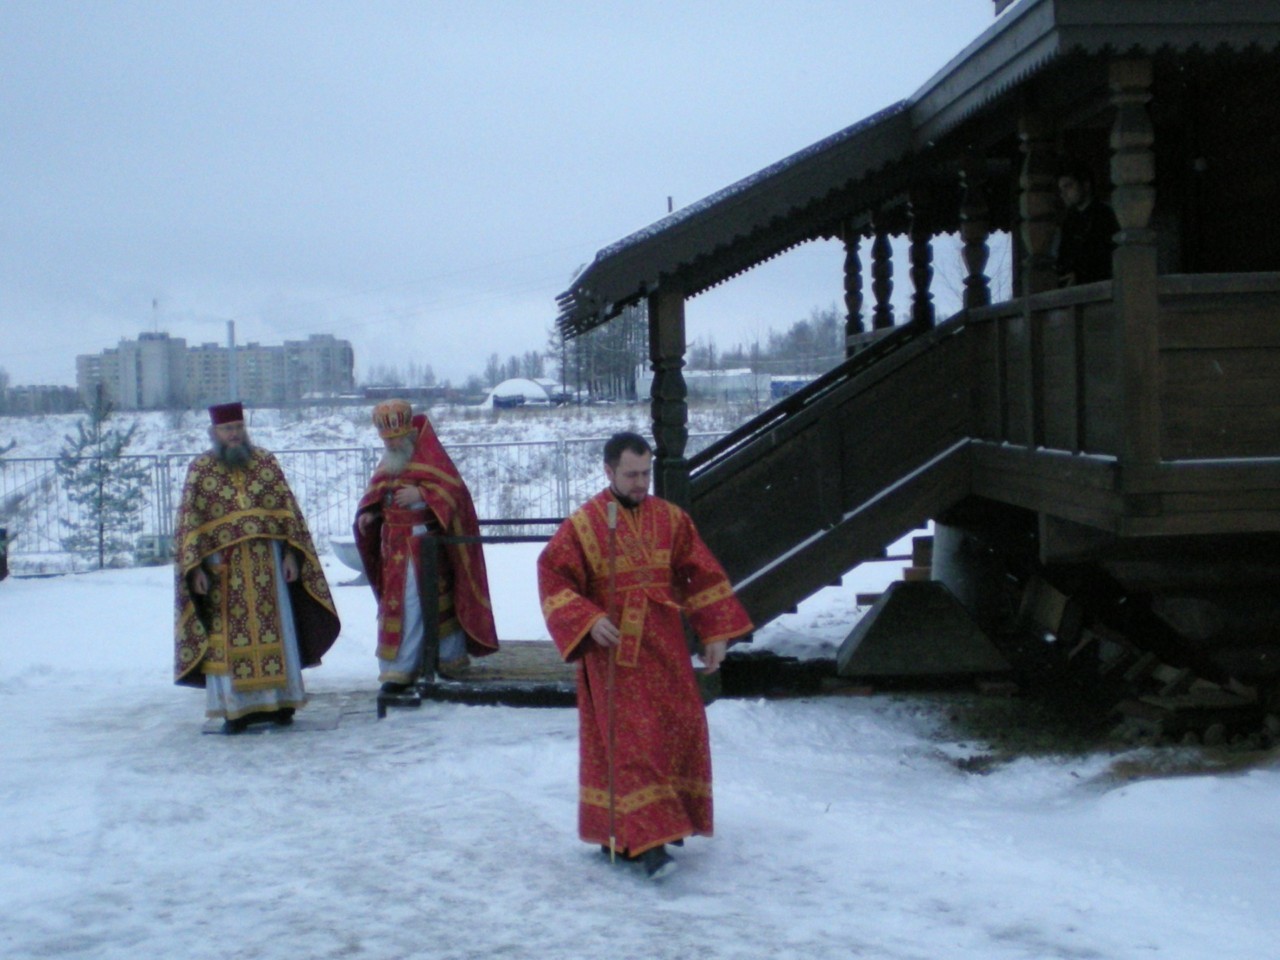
<point>836,473</point>
<point>920,567</point>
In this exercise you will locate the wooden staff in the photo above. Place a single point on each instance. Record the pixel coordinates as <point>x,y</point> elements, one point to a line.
<point>613,656</point>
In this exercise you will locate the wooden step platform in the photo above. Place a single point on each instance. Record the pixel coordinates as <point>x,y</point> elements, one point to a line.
<point>523,673</point>
<point>523,660</point>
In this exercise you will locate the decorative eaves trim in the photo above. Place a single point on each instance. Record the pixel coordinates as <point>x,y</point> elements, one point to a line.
<point>1031,35</point>
<point>625,271</point>
<point>769,212</point>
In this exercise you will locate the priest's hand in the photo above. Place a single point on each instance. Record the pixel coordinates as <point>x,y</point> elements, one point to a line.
<point>407,496</point>
<point>290,564</point>
<point>199,582</point>
<point>605,633</point>
<point>713,656</point>
<point>363,521</point>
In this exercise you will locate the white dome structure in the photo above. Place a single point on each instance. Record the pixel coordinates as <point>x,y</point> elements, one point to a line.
<point>516,392</point>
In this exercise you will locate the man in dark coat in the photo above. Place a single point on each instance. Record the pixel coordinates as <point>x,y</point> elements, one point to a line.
<point>1086,235</point>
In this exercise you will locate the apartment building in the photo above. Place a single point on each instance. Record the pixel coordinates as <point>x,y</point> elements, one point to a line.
<point>157,371</point>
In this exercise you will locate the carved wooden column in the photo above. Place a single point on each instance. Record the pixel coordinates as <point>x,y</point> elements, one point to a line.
<point>881,276</point>
<point>975,231</point>
<point>668,407</point>
<point>1134,259</point>
<point>921,262</point>
<point>1037,192</point>
<point>854,328</point>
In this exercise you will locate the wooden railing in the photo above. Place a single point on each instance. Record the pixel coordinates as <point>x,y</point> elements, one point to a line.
<point>825,481</point>
<point>706,462</point>
<point>1022,403</point>
<point>1046,371</point>
<point>1049,370</point>
<point>1219,377</point>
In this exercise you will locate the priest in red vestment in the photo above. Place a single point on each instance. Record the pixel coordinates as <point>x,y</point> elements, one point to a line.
<point>252,606</point>
<point>416,489</point>
<point>614,601</point>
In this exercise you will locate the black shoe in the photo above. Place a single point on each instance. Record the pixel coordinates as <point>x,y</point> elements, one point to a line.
<point>657,863</point>
<point>283,717</point>
<point>395,688</point>
<point>238,725</point>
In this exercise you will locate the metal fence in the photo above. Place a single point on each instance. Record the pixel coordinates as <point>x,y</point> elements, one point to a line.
<point>510,481</point>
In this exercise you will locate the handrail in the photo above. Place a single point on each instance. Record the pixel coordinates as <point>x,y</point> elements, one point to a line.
<point>501,537</point>
<point>801,449</point>
<point>812,393</point>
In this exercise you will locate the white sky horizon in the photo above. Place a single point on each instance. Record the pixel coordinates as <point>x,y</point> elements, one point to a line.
<point>401,173</point>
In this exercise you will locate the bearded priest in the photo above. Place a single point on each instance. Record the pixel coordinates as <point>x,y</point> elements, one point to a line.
<point>252,606</point>
<point>416,490</point>
<point>617,582</point>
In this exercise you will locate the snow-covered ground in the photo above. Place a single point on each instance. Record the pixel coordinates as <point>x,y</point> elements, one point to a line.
<point>844,826</point>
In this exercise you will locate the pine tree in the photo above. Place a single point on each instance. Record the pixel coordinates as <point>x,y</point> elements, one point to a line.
<point>108,489</point>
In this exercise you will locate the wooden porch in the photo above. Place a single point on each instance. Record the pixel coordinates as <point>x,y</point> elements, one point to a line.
<point>1119,438</point>
<point>1057,418</point>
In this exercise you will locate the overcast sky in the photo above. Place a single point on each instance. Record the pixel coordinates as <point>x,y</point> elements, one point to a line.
<point>421,178</point>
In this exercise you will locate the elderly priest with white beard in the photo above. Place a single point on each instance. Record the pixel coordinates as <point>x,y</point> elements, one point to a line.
<point>416,490</point>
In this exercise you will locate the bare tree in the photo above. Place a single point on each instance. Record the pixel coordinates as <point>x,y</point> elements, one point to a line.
<point>533,365</point>
<point>493,370</point>
<point>383,375</point>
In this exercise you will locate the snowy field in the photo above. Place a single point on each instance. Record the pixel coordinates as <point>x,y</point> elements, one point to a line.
<point>348,426</point>
<point>844,826</point>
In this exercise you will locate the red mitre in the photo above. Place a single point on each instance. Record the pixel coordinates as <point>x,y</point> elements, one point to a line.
<point>227,413</point>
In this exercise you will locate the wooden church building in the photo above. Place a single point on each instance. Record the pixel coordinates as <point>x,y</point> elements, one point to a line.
<point>1101,458</point>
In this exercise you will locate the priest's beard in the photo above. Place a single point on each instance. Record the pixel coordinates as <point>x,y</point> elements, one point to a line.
<point>237,458</point>
<point>396,457</point>
<point>630,502</point>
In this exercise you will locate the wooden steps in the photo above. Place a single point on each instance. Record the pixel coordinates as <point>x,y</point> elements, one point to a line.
<point>919,570</point>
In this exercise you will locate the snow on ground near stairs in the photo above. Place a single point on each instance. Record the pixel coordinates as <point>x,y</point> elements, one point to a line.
<point>844,829</point>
